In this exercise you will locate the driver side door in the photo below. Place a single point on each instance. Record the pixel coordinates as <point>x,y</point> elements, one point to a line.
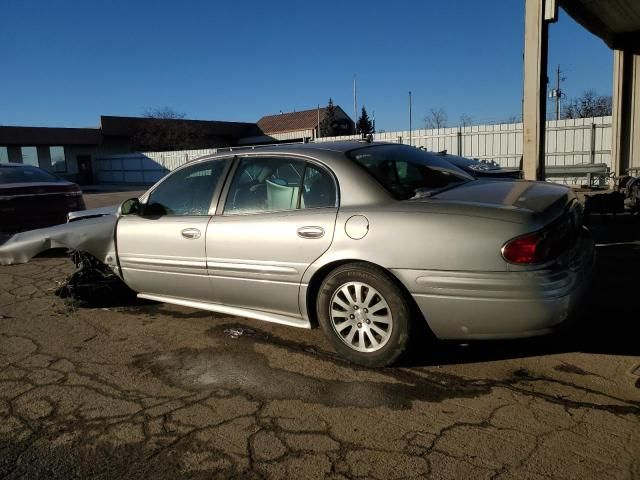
<point>162,250</point>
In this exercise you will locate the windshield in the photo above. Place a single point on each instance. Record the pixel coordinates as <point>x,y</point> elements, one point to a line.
<point>25,174</point>
<point>407,172</point>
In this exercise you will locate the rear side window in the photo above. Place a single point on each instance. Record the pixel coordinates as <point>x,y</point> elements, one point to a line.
<point>319,189</point>
<point>189,191</point>
<point>265,184</point>
<point>270,184</point>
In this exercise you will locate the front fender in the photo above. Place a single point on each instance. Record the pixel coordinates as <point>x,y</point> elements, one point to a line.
<point>91,235</point>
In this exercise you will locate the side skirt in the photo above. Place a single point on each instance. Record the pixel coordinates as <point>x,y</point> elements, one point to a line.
<point>237,311</point>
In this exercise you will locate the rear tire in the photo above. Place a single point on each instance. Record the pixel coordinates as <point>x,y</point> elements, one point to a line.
<point>364,314</point>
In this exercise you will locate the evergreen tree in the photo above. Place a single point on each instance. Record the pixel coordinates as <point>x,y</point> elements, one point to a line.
<point>327,125</point>
<point>365,126</point>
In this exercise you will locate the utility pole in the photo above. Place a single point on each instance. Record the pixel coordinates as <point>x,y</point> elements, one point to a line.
<point>355,104</point>
<point>319,134</point>
<point>410,132</point>
<point>557,92</point>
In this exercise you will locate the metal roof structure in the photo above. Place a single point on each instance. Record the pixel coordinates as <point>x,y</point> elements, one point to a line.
<point>617,22</point>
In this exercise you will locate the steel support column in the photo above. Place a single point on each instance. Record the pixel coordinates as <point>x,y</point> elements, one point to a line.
<point>536,39</point>
<point>625,134</point>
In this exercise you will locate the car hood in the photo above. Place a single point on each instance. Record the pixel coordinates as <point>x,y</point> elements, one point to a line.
<point>92,212</point>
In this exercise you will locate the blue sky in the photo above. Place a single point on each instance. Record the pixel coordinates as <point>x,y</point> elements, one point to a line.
<point>65,62</point>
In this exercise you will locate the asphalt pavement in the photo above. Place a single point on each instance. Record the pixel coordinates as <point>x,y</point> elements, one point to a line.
<point>121,388</point>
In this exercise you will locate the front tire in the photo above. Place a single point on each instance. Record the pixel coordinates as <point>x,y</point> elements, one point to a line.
<point>364,314</point>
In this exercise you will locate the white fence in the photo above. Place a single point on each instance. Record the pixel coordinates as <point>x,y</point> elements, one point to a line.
<point>144,168</point>
<point>568,142</point>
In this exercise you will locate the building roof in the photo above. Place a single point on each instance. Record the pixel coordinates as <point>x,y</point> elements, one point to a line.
<point>295,121</point>
<point>128,126</point>
<point>10,135</point>
<point>292,121</point>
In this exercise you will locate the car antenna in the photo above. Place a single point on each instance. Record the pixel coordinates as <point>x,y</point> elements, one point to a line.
<point>442,152</point>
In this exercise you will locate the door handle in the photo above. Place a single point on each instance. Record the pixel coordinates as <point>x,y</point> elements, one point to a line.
<point>191,233</point>
<point>311,232</point>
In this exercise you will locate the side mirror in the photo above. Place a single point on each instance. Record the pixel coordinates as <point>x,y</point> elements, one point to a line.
<point>129,207</point>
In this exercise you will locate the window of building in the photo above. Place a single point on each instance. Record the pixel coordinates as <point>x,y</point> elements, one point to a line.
<point>30,156</point>
<point>58,159</point>
<point>4,155</point>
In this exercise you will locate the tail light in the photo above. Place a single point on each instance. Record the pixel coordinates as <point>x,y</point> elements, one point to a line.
<point>546,244</point>
<point>526,249</point>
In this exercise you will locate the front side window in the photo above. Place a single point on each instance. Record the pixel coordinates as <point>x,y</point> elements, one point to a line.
<point>29,156</point>
<point>407,172</point>
<point>4,155</point>
<point>58,160</point>
<point>189,191</point>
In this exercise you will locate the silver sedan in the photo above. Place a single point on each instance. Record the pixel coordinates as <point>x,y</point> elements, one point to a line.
<point>369,241</point>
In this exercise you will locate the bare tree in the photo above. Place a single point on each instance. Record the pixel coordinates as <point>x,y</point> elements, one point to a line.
<point>465,120</point>
<point>436,118</point>
<point>164,113</point>
<point>513,119</point>
<point>589,104</point>
<point>166,129</point>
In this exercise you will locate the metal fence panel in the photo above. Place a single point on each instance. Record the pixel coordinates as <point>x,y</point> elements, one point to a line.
<point>567,142</point>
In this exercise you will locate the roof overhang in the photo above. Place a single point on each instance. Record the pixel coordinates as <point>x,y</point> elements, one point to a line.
<point>10,135</point>
<point>617,22</point>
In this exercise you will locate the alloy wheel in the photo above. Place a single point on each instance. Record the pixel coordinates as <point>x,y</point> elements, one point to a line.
<point>361,316</point>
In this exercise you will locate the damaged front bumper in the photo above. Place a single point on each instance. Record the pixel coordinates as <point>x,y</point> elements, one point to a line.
<point>90,231</point>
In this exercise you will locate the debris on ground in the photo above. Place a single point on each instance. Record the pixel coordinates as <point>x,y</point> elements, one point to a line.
<point>93,284</point>
<point>234,332</point>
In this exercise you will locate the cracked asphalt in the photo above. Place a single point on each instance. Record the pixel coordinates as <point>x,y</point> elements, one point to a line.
<point>146,390</point>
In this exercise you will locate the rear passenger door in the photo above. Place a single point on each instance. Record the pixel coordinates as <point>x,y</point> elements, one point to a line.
<point>278,217</point>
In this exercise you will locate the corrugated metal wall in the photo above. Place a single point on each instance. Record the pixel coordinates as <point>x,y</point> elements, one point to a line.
<point>568,142</point>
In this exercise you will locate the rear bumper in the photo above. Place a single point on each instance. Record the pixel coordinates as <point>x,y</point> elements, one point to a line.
<point>497,305</point>
<point>31,213</point>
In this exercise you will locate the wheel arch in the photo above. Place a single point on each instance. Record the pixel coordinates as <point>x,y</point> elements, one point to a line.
<point>322,273</point>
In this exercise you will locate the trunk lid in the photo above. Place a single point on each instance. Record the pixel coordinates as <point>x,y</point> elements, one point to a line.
<point>535,197</point>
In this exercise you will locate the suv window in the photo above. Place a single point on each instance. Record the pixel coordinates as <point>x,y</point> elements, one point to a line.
<point>188,191</point>
<point>267,184</point>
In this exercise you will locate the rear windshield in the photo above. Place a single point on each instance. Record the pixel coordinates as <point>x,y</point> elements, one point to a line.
<point>26,175</point>
<point>407,172</point>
